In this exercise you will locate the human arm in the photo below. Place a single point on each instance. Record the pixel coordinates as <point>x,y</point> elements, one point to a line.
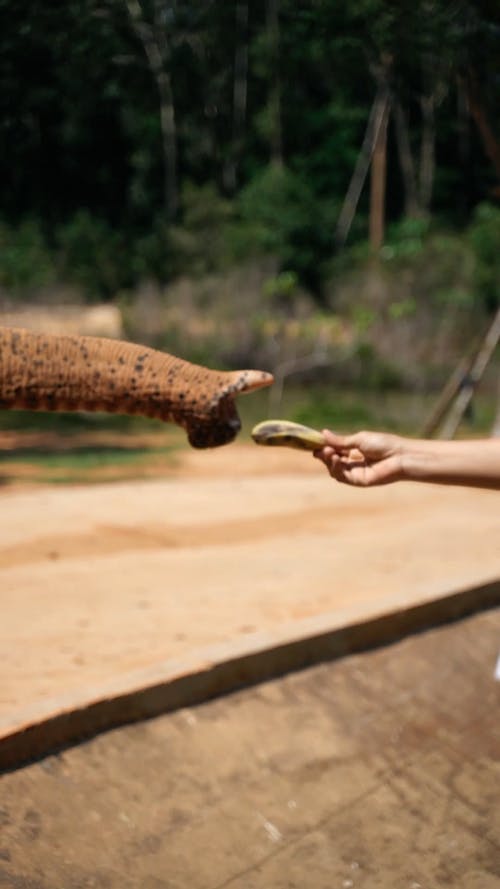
<point>366,459</point>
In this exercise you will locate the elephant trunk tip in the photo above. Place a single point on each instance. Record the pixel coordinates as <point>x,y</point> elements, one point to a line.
<point>249,380</point>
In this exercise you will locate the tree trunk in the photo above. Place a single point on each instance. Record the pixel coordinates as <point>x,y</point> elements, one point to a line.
<point>463,196</point>
<point>476,109</point>
<point>155,42</point>
<point>240,89</point>
<point>378,182</point>
<point>346,216</point>
<point>495,430</point>
<point>427,152</point>
<point>478,368</point>
<point>447,396</point>
<point>169,143</point>
<point>412,207</point>
<point>274,101</point>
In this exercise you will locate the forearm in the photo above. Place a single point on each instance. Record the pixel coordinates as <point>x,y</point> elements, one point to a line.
<point>473,463</point>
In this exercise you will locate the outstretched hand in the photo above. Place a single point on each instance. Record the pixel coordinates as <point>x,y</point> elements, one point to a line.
<point>364,459</point>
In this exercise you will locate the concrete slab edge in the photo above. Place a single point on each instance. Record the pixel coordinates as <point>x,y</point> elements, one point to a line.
<point>48,727</point>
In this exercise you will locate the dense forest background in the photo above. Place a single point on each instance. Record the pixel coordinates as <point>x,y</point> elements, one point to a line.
<point>310,159</point>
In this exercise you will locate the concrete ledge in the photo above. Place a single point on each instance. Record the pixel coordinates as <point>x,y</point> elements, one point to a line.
<point>55,723</point>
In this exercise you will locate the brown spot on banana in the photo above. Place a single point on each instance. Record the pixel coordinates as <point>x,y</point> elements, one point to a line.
<point>69,373</point>
<point>284,433</point>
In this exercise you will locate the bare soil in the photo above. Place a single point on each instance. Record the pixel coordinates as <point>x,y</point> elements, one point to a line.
<point>101,581</point>
<point>376,771</point>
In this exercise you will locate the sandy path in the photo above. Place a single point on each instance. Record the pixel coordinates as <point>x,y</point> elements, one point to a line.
<point>99,581</point>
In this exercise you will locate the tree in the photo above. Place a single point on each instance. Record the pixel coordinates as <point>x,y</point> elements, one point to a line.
<point>152,27</point>
<point>267,66</point>
<point>240,95</point>
<point>187,99</point>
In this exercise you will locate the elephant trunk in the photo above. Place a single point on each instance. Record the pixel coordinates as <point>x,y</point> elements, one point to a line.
<point>69,373</point>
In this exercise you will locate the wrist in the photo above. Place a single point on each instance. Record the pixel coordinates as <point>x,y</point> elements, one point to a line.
<point>415,460</point>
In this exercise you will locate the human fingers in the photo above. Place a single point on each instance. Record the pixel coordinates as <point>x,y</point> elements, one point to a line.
<point>332,462</point>
<point>324,454</point>
<point>347,471</point>
<point>341,443</point>
<point>355,446</point>
<point>368,444</point>
<point>347,453</point>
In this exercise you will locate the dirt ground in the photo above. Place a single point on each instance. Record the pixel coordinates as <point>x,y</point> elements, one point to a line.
<point>376,771</point>
<point>104,581</point>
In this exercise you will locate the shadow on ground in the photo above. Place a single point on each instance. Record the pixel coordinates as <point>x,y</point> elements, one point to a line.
<point>378,770</point>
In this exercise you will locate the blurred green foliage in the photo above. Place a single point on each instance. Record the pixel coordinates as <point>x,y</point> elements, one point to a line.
<point>266,115</point>
<point>456,268</point>
<point>26,261</point>
<point>484,237</point>
<point>90,254</point>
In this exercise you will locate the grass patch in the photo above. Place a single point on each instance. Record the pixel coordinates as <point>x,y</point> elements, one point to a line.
<point>82,457</point>
<point>336,414</point>
<point>341,410</point>
<point>72,423</point>
<point>84,464</point>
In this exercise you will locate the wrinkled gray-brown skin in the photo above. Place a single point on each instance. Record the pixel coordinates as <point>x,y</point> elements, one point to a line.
<point>73,373</point>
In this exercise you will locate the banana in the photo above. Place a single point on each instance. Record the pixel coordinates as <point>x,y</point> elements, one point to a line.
<point>288,435</point>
